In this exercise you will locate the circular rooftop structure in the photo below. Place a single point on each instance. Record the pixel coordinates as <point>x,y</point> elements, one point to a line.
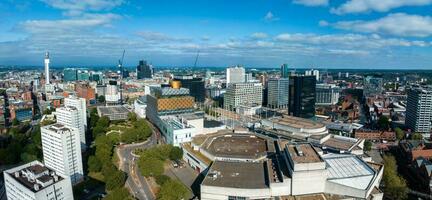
<point>296,125</point>
<point>234,146</point>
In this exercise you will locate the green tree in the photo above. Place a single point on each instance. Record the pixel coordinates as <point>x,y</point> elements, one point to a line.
<point>103,122</point>
<point>101,98</point>
<point>161,179</point>
<point>48,111</point>
<point>94,165</point>
<point>399,133</point>
<point>176,153</point>
<point>150,166</point>
<point>15,122</point>
<point>113,177</point>
<point>367,145</point>
<point>94,117</point>
<point>173,189</point>
<point>383,122</point>
<point>394,186</point>
<point>132,117</point>
<point>120,193</point>
<point>98,130</point>
<point>416,136</point>
<point>27,157</point>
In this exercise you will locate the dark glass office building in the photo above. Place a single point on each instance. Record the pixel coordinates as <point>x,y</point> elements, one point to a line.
<point>70,74</point>
<point>302,96</point>
<point>195,85</point>
<point>144,70</point>
<point>284,70</point>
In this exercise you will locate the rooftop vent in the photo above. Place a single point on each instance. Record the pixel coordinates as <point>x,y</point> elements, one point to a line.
<point>298,150</point>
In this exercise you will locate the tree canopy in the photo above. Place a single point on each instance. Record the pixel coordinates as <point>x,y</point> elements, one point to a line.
<point>173,189</point>
<point>400,134</point>
<point>394,186</point>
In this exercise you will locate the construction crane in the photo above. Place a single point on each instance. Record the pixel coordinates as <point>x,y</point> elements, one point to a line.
<point>196,59</point>
<point>120,65</point>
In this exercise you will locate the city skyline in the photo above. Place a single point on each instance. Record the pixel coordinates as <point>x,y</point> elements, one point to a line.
<point>302,33</point>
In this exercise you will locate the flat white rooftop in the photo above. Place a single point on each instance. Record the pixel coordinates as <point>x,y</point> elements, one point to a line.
<point>349,170</point>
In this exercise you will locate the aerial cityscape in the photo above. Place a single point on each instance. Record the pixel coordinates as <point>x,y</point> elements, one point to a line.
<point>215,100</point>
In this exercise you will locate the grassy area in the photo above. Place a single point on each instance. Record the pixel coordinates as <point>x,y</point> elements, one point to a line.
<point>96,175</point>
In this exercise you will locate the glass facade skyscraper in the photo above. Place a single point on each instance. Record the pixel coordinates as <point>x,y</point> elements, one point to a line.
<point>302,96</point>
<point>70,74</point>
<point>144,70</point>
<point>277,96</point>
<point>195,86</point>
<point>284,71</point>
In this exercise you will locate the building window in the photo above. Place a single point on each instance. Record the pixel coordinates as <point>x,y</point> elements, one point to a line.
<point>236,198</point>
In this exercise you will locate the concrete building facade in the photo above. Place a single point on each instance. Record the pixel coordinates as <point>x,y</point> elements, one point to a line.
<point>61,149</point>
<point>235,75</point>
<point>243,94</point>
<point>35,181</point>
<point>419,109</point>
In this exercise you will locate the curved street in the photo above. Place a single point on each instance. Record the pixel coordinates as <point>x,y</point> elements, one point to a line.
<point>137,184</point>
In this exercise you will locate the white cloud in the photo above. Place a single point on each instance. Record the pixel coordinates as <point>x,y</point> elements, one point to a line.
<point>259,35</point>
<point>312,2</point>
<point>399,24</point>
<point>347,41</point>
<point>269,17</point>
<point>362,6</point>
<point>66,25</point>
<point>83,5</point>
<point>323,23</point>
<point>160,37</point>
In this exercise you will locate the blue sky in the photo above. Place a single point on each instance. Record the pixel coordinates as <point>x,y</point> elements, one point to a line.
<point>391,34</point>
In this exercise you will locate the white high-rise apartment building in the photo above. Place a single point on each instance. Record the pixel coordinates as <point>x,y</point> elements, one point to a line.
<point>245,94</point>
<point>80,104</point>
<point>71,116</point>
<point>62,150</point>
<point>235,75</point>
<point>35,181</point>
<point>419,109</point>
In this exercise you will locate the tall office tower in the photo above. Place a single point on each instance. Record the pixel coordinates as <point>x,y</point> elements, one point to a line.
<point>327,94</point>
<point>313,72</point>
<point>372,85</point>
<point>61,150</point>
<point>249,77</point>
<point>35,181</point>
<point>235,75</point>
<point>263,80</point>
<point>70,116</point>
<point>47,74</point>
<point>144,70</point>
<point>83,75</point>
<point>301,100</point>
<point>243,94</point>
<point>70,74</point>
<point>284,70</point>
<point>195,85</point>
<point>278,92</point>
<point>419,109</point>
